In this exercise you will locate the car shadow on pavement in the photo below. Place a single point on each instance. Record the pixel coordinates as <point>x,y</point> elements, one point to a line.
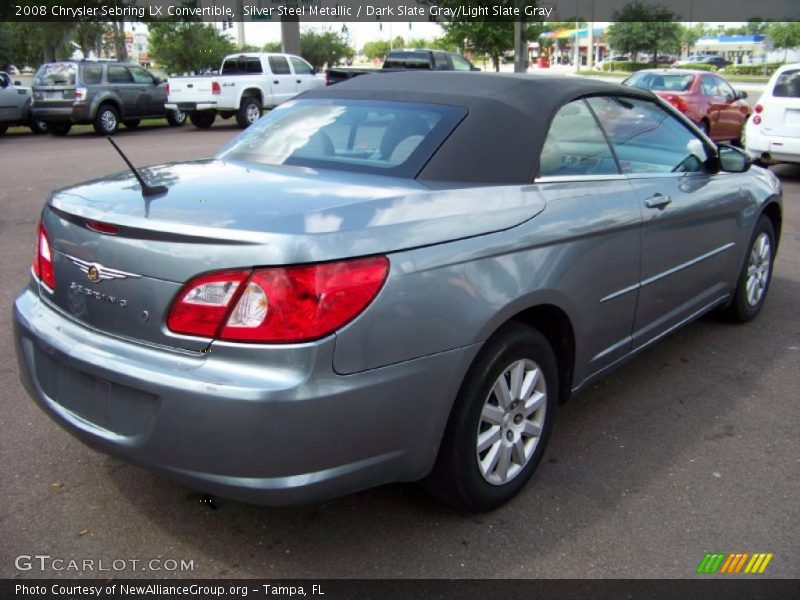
<point>631,454</point>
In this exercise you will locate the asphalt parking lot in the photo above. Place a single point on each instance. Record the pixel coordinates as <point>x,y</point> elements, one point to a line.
<point>691,448</point>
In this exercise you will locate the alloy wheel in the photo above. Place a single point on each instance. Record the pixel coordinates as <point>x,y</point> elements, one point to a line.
<point>511,422</point>
<point>758,269</point>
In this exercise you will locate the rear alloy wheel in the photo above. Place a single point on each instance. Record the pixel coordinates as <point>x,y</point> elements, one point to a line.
<point>203,119</point>
<point>106,121</point>
<point>500,422</point>
<point>38,127</point>
<point>753,285</point>
<point>132,123</point>
<point>59,129</point>
<point>176,118</point>
<point>249,112</point>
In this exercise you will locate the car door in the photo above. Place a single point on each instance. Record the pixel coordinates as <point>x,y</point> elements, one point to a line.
<point>120,82</point>
<point>9,99</point>
<point>715,107</point>
<point>149,98</point>
<point>689,215</point>
<point>734,111</point>
<point>304,76</point>
<point>592,204</point>
<point>282,79</point>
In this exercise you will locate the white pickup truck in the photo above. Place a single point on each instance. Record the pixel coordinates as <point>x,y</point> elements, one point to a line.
<point>247,83</point>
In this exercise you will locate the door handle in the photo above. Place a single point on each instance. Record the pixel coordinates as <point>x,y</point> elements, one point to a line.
<point>658,201</point>
<point>276,82</point>
<point>299,80</point>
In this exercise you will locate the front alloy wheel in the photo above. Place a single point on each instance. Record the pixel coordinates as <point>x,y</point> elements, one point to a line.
<point>754,279</point>
<point>758,269</point>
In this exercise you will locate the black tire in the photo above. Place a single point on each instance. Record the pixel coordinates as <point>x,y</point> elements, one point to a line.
<point>176,118</point>
<point>38,127</point>
<point>106,121</point>
<point>59,129</point>
<point>203,119</point>
<point>246,115</point>
<point>742,307</point>
<point>132,123</point>
<point>3,129</point>
<point>456,477</point>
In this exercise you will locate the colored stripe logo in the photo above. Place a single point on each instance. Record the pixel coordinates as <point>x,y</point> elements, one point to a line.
<point>733,563</point>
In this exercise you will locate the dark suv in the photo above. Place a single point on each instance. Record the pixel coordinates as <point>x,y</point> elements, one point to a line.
<point>101,93</point>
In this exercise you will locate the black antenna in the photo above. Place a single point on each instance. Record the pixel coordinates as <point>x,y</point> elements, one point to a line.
<point>147,189</point>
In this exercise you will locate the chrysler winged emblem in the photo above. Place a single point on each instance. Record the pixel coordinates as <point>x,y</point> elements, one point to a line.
<point>96,272</point>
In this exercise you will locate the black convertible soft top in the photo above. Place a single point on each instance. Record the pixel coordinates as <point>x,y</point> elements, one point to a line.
<point>500,139</point>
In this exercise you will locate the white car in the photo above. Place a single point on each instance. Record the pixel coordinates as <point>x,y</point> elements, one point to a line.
<point>246,84</point>
<point>772,134</point>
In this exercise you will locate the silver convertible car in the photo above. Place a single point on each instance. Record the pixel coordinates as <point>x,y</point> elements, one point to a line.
<point>392,279</point>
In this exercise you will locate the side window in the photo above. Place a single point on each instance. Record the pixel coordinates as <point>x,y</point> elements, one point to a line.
<point>230,67</point>
<point>92,74</point>
<point>300,66</point>
<point>575,145</point>
<point>253,64</point>
<point>460,63</point>
<point>709,86</point>
<point>440,62</point>
<point>724,88</point>
<point>141,76</point>
<point>279,65</point>
<point>117,74</point>
<point>647,139</point>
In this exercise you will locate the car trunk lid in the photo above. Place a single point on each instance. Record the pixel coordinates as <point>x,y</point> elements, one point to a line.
<point>120,258</point>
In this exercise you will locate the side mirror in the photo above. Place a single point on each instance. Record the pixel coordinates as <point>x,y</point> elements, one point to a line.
<point>157,81</point>
<point>733,160</point>
<point>741,95</point>
<point>314,70</point>
<point>17,83</point>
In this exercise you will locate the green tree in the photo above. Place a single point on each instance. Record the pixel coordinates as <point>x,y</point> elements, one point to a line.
<point>273,47</point>
<point>641,27</point>
<point>376,49</point>
<point>784,36</point>
<point>481,37</point>
<point>323,48</point>
<point>184,47</point>
<point>89,35</point>
<point>688,36</point>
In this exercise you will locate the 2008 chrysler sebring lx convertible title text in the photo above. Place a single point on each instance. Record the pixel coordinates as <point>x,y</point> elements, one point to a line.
<point>395,278</point>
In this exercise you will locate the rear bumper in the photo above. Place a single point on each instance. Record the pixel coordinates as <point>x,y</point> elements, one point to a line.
<point>191,106</point>
<point>771,148</point>
<point>62,114</point>
<point>262,424</point>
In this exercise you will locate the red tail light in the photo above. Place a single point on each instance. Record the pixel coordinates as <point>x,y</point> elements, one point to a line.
<point>327,78</point>
<point>281,304</point>
<point>215,88</point>
<point>677,102</point>
<point>168,88</point>
<point>758,108</point>
<point>42,266</point>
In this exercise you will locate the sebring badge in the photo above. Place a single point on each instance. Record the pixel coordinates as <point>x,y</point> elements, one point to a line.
<point>96,272</point>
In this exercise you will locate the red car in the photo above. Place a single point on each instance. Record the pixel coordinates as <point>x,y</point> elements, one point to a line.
<point>706,98</point>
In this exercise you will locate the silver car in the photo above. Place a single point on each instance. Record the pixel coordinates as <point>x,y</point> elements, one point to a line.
<point>392,279</point>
